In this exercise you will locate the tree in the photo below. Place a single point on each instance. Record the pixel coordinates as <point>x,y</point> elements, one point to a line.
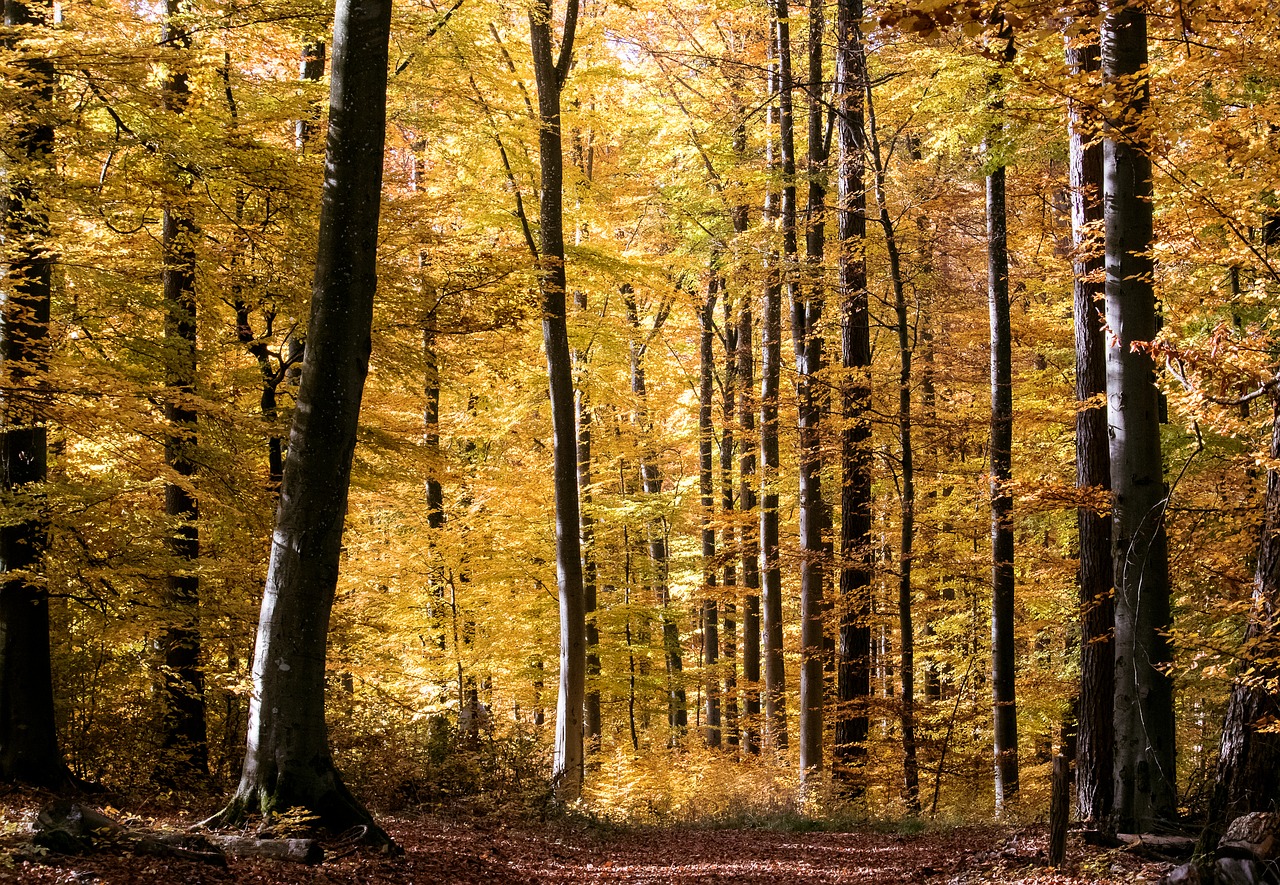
<point>1002,589</point>
<point>550,73</point>
<point>1094,720</point>
<point>1144,749</point>
<point>184,728</point>
<point>28,731</point>
<point>288,761</point>
<point>853,680</point>
<point>806,313</point>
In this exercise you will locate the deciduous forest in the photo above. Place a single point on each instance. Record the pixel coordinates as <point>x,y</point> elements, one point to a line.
<point>641,418</point>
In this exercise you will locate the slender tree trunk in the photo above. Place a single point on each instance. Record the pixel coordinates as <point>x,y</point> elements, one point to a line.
<point>853,677</point>
<point>1005,711</point>
<point>706,441</point>
<point>729,637</point>
<point>1145,778</point>
<point>750,544</point>
<point>550,73</point>
<point>1248,777</point>
<point>183,729</point>
<point>806,311</point>
<point>1094,718</point>
<point>910,767</point>
<point>775,683</point>
<point>287,762</point>
<point>28,730</point>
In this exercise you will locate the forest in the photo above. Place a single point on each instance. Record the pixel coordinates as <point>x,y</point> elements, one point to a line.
<point>652,414</point>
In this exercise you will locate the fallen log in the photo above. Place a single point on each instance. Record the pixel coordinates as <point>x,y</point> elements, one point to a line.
<point>295,850</point>
<point>1163,846</point>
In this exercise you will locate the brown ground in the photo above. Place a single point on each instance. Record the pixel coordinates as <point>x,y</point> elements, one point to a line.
<point>441,850</point>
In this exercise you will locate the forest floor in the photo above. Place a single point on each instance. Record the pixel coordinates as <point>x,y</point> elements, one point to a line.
<point>464,851</point>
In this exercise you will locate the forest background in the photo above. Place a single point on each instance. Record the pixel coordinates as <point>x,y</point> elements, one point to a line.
<point>165,162</point>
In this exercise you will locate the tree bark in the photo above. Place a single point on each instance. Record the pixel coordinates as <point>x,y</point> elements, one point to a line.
<point>184,747</point>
<point>550,73</point>
<point>1004,709</point>
<point>28,730</point>
<point>775,684</point>
<point>853,675</point>
<point>729,637</point>
<point>1145,789</point>
<point>706,440</point>
<point>907,519</point>
<point>1248,776</point>
<point>750,535</point>
<point>287,761</point>
<point>1094,723</point>
<point>806,312</point>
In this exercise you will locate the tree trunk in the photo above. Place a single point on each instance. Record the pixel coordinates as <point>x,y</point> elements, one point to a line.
<point>185,752</point>
<point>287,761</point>
<point>550,73</point>
<point>1248,777</point>
<point>750,537</point>
<point>28,730</point>
<point>853,677</point>
<point>775,684</point>
<point>1094,724</point>
<point>1004,715</point>
<point>907,512</point>
<point>706,440</point>
<point>1145,788</point>
<point>729,637</point>
<point>806,312</point>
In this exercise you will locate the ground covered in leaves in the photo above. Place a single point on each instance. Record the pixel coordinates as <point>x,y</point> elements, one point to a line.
<point>462,851</point>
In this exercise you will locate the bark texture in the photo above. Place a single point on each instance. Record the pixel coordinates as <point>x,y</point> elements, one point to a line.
<point>287,761</point>
<point>1094,725</point>
<point>1145,792</point>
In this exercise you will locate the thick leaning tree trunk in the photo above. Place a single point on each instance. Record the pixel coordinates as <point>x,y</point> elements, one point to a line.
<point>287,762</point>
<point>550,73</point>
<point>1145,788</point>
<point>28,731</point>
<point>1094,720</point>
<point>853,675</point>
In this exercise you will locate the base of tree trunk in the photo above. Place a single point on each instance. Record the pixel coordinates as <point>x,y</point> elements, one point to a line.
<point>332,808</point>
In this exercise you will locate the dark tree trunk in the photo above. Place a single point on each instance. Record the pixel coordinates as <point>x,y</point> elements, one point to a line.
<point>1248,776</point>
<point>659,565</point>
<point>775,683</point>
<point>853,676</point>
<point>907,515</point>
<point>550,73</point>
<point>1094,723</point>
<point>750,537</point>
<point>185,752</point>
<point>288,762</point>
<point>592,722</point>
<point>28,731</point>
<point>1145,788</point>
<point>729,637</point>
<point>1005,711</point>
<point>706,441</point>
<point>806,312</point>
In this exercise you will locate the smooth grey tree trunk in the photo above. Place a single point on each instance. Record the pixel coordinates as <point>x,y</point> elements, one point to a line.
<point>550,73</point>
<point>1145,777</point>
<point>853,674</point>
<point>28,730</point>
<point>1094,717</point>
<point>288,762</point>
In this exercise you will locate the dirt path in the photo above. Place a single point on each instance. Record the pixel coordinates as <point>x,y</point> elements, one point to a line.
<point>439,850</point>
